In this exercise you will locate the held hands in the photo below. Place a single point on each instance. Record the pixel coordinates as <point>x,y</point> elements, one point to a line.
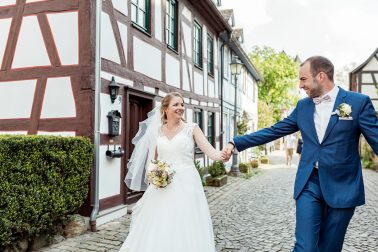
<point>227,152</point>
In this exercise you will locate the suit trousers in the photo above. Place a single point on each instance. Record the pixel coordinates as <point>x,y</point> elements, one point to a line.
<point>319,227</point>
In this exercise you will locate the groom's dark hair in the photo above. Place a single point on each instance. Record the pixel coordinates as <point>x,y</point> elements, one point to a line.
<point>320,64</point>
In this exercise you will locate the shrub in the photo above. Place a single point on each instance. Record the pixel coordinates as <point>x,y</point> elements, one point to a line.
<point>243,167</point>
<point>217,169</point>
<point>264,160</point>
<point>200,169</point>
<point>43,179</point>
<point>254,163</point>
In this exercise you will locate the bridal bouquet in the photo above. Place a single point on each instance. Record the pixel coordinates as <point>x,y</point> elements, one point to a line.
<point>159,173</point>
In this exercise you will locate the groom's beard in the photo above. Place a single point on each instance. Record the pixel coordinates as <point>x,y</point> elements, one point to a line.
<point>316,90</point>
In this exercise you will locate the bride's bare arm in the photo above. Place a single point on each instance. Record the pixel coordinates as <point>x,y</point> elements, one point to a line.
<point>204,145</point>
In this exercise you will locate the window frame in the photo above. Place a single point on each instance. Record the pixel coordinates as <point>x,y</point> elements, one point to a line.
<point>147,19</point>
<point>210,55</point>
<point>198,111</point>
<point>211,128</point>
<point>197,45</point>
<point>171,5</point>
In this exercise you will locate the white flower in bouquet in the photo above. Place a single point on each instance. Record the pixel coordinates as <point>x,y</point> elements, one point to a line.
<point>159,173</point>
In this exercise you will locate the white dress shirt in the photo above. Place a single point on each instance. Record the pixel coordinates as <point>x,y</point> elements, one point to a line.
<point>323,113</point>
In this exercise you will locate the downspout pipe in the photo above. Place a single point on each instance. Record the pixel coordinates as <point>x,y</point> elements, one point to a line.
<point>95,202</point>
<point>225,36</point>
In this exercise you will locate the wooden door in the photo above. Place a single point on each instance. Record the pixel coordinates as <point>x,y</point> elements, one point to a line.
<point>138,105</point>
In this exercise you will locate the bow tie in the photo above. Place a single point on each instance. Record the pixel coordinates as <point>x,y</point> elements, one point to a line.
<point>318,100</point>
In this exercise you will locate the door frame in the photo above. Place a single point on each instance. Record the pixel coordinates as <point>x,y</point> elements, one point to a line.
<point>129,91</point>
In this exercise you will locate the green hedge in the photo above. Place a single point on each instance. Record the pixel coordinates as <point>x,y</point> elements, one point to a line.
<point>42,180</point>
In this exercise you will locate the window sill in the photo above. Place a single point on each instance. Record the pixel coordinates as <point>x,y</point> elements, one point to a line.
<point>141,29</point>
<point>198,66</point>
<point>173,49</point>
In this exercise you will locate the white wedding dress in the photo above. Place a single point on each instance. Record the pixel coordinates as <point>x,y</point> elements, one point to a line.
<point>175,218</point>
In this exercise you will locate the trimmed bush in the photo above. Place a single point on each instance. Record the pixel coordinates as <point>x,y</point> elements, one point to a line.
<point>217,169</point>
<point>264,160</point>
<point>254,163</point>
<point>43,179</point>
<point>243,167</point>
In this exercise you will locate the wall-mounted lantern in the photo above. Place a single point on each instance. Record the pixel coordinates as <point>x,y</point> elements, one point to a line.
<point>113,122</point>
<point>113,89</point>
<point>116,153</point>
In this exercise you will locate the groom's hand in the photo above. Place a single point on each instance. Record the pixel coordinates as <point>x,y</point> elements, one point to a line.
<point>227,152</point>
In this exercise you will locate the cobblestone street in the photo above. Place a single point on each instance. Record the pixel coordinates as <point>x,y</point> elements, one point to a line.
<point>256,214</point>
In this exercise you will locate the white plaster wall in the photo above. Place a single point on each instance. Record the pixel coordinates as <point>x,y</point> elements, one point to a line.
<point>64,27</point>
<point>123,31</point>
<point>13,132</point>
<point>187,32</point>
<point>366,78</point>
<point>187,13</point>
<point>172,71</point>
<point>4,30</point>
<point>216,84</point>
<point>118,79</point>
<point>198,83</point>
<point>372,65</point>
<point>108,43</point>
<point>121,6</point>
<point>106,107</point>
<point>58,100</point>
<point>369,90</point>
<point>189,115</point>
<point>16,98</point>
<point>158,20</point>
<point>57,133</point>
<point>147,59</point>
<point>185,77</point>
<point>149,89</point>
<point>375,104</point>
<point>109,174</point>
<point>211,88</point>
<point>30,49</point>
<point>7,2</point>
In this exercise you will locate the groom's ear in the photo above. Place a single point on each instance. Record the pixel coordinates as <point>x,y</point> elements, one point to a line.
<point>322,76</point>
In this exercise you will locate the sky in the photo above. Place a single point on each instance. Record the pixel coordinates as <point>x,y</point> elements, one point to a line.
<point>345,31</point>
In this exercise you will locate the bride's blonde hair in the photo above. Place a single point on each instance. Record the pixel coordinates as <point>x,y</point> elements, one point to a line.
<point>165,103</point>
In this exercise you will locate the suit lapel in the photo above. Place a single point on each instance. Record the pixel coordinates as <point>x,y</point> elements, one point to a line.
<point>334,118</point>
<point>309,119</point>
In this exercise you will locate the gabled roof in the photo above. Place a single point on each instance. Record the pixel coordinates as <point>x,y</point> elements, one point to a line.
<point>228,15</point>
<point>365,63</point>
<point>238,33</point>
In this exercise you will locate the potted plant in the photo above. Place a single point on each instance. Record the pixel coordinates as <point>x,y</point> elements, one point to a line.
<point>217,172</point>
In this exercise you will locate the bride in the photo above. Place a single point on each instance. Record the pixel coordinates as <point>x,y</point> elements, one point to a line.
<point>175,218</point>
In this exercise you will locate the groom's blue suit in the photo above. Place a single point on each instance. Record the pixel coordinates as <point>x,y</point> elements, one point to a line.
<point>338,180</point>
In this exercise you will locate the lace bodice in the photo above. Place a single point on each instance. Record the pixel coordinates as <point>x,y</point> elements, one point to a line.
<point>179,149</point>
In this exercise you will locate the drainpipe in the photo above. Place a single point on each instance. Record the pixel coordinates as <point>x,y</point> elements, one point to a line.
<point>224,37</point>
<point>95,202</point>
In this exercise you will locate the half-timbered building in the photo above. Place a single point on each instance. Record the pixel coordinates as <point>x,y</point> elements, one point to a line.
<point>364,79</point>
<point>58,59</point>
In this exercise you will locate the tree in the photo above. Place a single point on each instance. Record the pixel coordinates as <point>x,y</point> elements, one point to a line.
<point>265,114</point>
<point>279,80</point>
<point>242,124</point>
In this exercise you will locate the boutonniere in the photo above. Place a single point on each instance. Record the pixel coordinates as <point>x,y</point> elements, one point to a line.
<point>344,110</point>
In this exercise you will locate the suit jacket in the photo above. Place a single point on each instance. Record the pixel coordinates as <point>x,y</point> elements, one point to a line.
<point>339,163</point>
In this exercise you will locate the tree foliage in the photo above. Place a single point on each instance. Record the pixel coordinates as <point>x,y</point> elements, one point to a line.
<point>277,90</point>
<point>242,124</point>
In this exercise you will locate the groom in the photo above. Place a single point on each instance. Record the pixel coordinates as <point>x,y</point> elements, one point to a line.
<point>328,184</point>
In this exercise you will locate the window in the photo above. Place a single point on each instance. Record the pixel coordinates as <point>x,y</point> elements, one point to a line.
<point>210,128</point>
<point>210,55</point>
<point>171,24</point>
<point>140,13</point>
<point>197,45</point>
<point>198,120</point>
